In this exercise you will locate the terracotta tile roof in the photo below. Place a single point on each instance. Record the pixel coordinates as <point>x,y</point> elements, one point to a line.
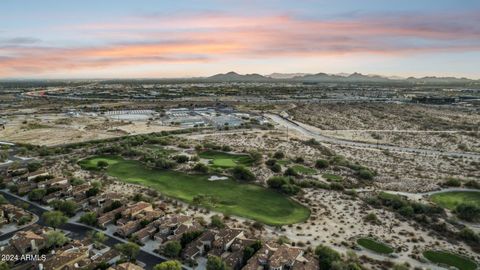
<point>149,230</point>
<point>126,266</point>
<point>308,263</point>
<point>260,259</point>
<point>225,236</point>
<point>136,208</point>
<point>284,255</point>
<point>66,258</point>
<point>129,227</point>
<point>23,240</point>
<point>233,259</point>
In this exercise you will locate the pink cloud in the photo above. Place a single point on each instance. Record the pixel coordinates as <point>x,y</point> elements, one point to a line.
<point>209,37</point>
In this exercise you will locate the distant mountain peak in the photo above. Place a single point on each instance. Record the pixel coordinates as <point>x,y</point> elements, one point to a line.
<point>233,76</point>
<point>355,77</point>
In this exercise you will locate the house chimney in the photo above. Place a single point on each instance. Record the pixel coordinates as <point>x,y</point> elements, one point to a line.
<point>33,244</point>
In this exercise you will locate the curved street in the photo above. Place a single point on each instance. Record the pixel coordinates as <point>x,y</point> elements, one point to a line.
<point>310,131</point>
<point>78,231</point>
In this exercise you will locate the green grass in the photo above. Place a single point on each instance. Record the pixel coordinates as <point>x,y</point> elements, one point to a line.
<point>451,199</point>
<point>91,163</point>
<point>450,259</point>
<point>303,170</point>
<point>332,177</point>
<point>375,246</point>
<point>284,162</point>
<point>246,200</point>
<point>226,160</point>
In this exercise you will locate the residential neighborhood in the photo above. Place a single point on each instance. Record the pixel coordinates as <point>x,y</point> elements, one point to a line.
<point>147,225</point>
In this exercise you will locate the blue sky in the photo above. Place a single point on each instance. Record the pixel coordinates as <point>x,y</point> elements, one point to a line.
<point>146,38</point>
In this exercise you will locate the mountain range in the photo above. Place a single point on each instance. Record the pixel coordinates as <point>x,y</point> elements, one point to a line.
<point>332,78</point>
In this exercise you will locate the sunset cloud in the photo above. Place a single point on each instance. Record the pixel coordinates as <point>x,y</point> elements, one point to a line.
<point>209,37</point>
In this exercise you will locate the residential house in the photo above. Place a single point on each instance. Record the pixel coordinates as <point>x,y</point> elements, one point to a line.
<point>107,218</point>
<point>192,226</point>
<point>137,208</point>
<point>28,242</point>
<point>284,257</point>
<point>168,225</point>
<point>12,213</point>
<point>143,235</point>
<point>281,257</point>
<point>126,266</point>
<point>68,259</point>
<point>129,228</point>
<point>199,246</point>
<point>33,175</point>
<point>234,257</point>
<point>52,183</point>
<point>224,239</point>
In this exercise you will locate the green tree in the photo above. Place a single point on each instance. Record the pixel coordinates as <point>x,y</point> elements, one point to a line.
<point>277,182</point>
<point>54,219</point>
<point>201,168</point>
<point>3,200</point>
<point>102,266</point>
<point>473,184</point>
<point>76,181</point>
<point>326,256</point>
<point>243,174</point>
<point>276,168</point>
<point>468,212</point>
<point>34,166</point>
<point>290,189</point>
<point>92,192</point>
<point>181,158</point>
<point>4,266</point>
<point>247,253</point>
<point>172,249</point>
<point>279,155</point>
<point>129,250</point>
<point>13,188</point>
<point>452,182</point>
<point>37,194</point>
<point>89,218</point>
<point>24,220</point>
<point>67,207</point>
<point>469,236</point>
<point>102,164</point>
<point>215,263</point>
<point>256,157</point>
<point>270,162</point>
<point>322,164</point>
<point>365,174</point>
<point>188,237</point>
<point>168,265</point>
<point>401,267</point>
<point>290,172</point>
<point>56,239</point>
<point>339,265</point>
<point>99,237</point>
<point>217,222</point>
<point>3,156</point>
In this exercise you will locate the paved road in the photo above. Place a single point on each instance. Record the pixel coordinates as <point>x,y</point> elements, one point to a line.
<point>78,231</point>
<point>312,133</point>
<point>12,155</point>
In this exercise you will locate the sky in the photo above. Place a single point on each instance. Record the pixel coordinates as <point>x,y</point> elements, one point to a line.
<point>66,39</point>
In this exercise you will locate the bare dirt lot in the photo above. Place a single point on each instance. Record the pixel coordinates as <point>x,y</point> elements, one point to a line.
<point>411,125</point>
<point>57,129</point>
